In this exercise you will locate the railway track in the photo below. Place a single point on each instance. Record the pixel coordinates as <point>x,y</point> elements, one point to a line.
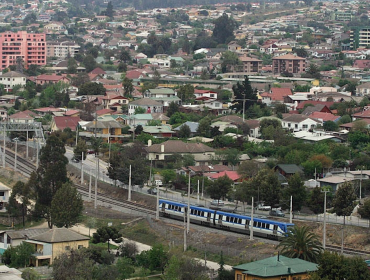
<point>349,251</point>
<point>125,204</point>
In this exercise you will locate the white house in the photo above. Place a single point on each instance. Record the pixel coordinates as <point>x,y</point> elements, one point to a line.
<point>299,123</point>
<point>11,79</point>
<point>5,193</point>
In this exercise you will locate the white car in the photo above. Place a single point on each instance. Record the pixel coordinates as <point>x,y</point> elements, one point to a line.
<point>263,207</point>
<point>217,202</point>
<point>158,182</point>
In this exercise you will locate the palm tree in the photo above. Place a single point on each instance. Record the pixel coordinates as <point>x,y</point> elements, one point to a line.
<point>301,243</point>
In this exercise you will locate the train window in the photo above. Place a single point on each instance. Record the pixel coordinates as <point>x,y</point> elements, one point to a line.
<point>247,222</point>
<point>254,224</point>
<point>220,217</point>
<point>275,227</point>
<point>240,221</point>
<point>227,219</point>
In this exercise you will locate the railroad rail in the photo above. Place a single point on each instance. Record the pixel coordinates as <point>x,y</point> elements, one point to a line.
<point>346,250</point>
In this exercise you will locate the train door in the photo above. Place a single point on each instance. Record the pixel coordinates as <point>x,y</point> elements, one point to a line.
<point>220,219</point>
<point>275,229</point>
<point>163,207</point>
<point>208,217</point>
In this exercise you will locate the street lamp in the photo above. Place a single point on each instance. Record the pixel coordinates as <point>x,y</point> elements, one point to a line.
<point>325,191</point>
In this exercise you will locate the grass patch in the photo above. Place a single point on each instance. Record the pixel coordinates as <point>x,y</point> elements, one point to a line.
<point>103,245</point>
<point>117,223</point>
<point>19,226</point>
<point>8,181</point>
<point>141,232</point>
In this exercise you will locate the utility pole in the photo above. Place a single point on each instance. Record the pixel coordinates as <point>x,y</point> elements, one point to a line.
<point>15,156</point>
<point>188,214</point>
<point>96,183</point>
<point>150,173</point>
<point>251,223</point>
<point>325,191</point>
<point>198,194</point>
<point>291,210</point>
<point>37,153</point>
<point>27,144</point>
<point>157,212</point>
<point>185,247</point>
<point>82,169</point>
<point>129,185</point>
<point>90,184</point>
<point>4,147</point>
<point>361,185</point>
<point>243,106</point>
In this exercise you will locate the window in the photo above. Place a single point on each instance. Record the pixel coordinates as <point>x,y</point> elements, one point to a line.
<point>239,277</point>
<point>67,248</point>
<point>296,125</point>
<point>80,246</point>
<point>2,193</point>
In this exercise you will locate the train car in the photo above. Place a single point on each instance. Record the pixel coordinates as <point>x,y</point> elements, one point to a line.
<point>224,220</point>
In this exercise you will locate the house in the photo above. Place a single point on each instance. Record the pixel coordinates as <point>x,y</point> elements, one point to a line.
<point>364,114</point>
<point>274,268</point>
<point>200,93</point>
<point>276,95</point>
<point>11,79</point>
<point>288,63</point>
<point>324,117</point>
<point>334,181</point>
<point>161,152</point>
<point>62,122</point>
<point>114,102</point>
<point>99,71</point>
<point>234,46</point>
<point>299,122</point>
<point>16,237</point>
<point>138,119</point>
<point>232,175</point>
<point>150,106</point>
<point>5,192</point>
<point>51,244</point>
<point>363,89</point>
<point>288,170</point>
<point>50,79</point>
<point>160,117</point>
<point>163,95</point>
<point>108,130</point>
<point>3,114</point>
<point>159,131</point>
<point>254,128</point>
<point>192,125</point>
<point>23,117</point>
<point>322,108</point>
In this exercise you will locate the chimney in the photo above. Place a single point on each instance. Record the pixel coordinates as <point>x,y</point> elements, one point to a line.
<point>162,148</point>
<point>149,142</point>
<point>289,270</point>
<point>278,256</point>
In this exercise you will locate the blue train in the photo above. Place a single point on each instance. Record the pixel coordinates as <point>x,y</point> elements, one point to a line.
<point>224,220</point>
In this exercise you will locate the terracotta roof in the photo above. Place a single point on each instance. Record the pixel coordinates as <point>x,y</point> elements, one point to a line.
<point>98,71</point>
<point>133,74</point>
<point>324,116</point>
<point>26,115</point>
<point>363,114</point>
<point>58,235</point>
<point>13,74</point>
<point>48,109</point>
<point>177,146</point>
<point>52,77</point>
<point>64,122</point>
<point>231,118</point>
<point>277,94</point>
<point>233,175</point>
<point>104,112</point>
<point>301,104</point>
<point>247,58</point>
<point>160,116</point>
<point>253,123</point>
<point>310,109</point>
<point>71,112</point>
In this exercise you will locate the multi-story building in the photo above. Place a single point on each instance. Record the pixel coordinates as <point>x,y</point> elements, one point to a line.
<point>251,65</point>
<point>288,63</point>
<point>359,37</point>
<point>31,47</point>
<point>62,49</point>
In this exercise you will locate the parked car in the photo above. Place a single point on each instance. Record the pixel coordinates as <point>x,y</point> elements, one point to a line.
<point>158,182</point>
<point>276,213</point>
<point>152,191</point>
<point>217,202</point>
<point>90,152</point>
<point>75,160</point>
<point>263,207</point>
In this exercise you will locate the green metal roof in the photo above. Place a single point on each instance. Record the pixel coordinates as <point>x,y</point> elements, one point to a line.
<point>277,266</point>
<point>290,168</point>
<point>162,90</point>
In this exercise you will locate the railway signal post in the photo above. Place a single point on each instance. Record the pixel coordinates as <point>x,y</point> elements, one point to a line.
<point>251,224</point>
<point>129,186</point>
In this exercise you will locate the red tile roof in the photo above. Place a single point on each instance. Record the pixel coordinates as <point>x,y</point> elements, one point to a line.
<point>48,109</point>
<point>233,175</point>
<point>64,122</point>
<point>277,94</point>
<point>98,71</point>
<point>324,116</point>
<point>301,104</point>
<point>104,112</point>
<point>71,112</point>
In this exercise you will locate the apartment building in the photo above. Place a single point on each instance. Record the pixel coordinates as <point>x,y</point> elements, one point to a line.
<point>31,47</point>
<point>62,49</point>
<point>359,37</point>
<point>288,63</point>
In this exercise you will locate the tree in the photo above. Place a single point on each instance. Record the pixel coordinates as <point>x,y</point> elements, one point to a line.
<point>168,175</point>
<point>229,156</point>
<point>89,63</point>
<point>220,187</point>
<point>358,138</point>
<point>66,206</point>
<point>364,209</point>
<point>268,186</point>
<point>325,161</point>
<point>230,61</point>
<point>139,129</point>
<point>204,127</point>
<point>128,87</point>
<point>139,110</point>
<point>316,200</point>
<point>125,267</point>
<point>297,190</point>
<point>224,29</point>
<point>172,109</point>
<point>30,274</point>
<point>18,256</point>
<point>74,265</point>
<point>243,91</point>
<point>80,148</point>
<point>96,143</point>
<point>49,177</point>
<point>109,11</point>
<point>222,273</point>
<point>184,131</point>
<point>301,243</point>
<point>104,234</point>
<point>72,66</point>
<point>21,192</point>
<point>186,93</point>
<point>330,126</point>
<point>249,169</point>
<point>92,88</point>
<point>125,56</point>
<point>184,268</point>
<point>335,266</point>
